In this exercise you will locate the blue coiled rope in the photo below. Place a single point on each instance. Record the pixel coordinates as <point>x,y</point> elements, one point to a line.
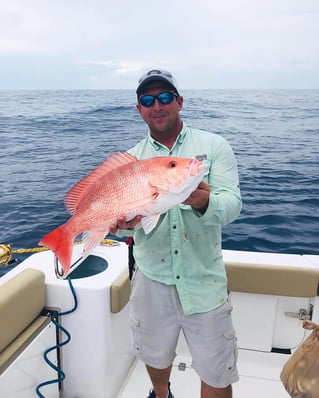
<point>61,374</point>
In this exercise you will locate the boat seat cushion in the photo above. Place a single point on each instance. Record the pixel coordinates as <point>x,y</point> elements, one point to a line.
<point>120,291</point>
<point>22,299</point>
<point>274,279</point>
<point>16,347</point>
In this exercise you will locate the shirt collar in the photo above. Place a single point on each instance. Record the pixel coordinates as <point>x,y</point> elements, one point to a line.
<point>179,140</point>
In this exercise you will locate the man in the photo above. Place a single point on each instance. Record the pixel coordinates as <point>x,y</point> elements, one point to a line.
<point>180,282</point>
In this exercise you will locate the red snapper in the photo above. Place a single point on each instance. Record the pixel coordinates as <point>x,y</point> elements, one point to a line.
<point>122,186</point>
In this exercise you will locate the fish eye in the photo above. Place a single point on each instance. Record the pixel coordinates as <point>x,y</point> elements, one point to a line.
<point>172,163</point>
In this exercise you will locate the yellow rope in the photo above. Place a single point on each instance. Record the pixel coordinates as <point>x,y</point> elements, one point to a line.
<point>6,251</point>
<point>5,254</point>
<point>32,250</point>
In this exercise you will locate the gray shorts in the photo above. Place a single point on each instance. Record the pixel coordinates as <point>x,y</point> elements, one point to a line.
<point>156,319</point>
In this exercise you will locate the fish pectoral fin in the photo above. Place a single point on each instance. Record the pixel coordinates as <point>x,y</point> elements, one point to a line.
<point>155,195</point>
<point>91,239</point>
<point>154,191</point>
<point>149,223</point>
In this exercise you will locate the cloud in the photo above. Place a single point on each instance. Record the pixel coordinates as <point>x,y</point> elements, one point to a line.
<point>102,44</point>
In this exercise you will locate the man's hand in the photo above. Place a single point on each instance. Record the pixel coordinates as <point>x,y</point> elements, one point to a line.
<point>123,224</point>
<point>199,198</point>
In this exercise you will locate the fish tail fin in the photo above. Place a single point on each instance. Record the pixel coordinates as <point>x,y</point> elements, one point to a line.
<point>60,241</point>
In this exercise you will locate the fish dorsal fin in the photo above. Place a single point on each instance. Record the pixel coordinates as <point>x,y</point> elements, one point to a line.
<point>120,158</point>
<point>79,190</point>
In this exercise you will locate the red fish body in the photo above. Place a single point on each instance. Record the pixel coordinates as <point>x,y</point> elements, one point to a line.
<point>122,186</point>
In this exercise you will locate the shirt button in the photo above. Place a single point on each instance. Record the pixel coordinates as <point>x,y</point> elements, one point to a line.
<point>176,251</point>
<point>174,226</point>
<point>177,277</point>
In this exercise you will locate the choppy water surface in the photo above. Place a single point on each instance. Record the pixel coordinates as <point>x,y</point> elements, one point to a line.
<point>50,139</point>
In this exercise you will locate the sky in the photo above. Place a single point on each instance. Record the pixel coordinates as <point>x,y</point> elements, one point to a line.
<point>108,44</point>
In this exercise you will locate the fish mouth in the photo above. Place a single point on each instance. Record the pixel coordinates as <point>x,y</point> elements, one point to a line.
<point>195,171</point>
<point>195,168</point>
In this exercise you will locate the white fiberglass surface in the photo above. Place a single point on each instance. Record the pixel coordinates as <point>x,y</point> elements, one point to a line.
<point>259,377</point>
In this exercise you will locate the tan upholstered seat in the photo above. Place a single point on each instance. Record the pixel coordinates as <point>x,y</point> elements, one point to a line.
<point>120,291</point>
<point>278,280</point>
<point>22,299</point>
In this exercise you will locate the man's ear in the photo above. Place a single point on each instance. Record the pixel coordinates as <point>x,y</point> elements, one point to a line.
<point>180,101</point>
<point>138,107</point>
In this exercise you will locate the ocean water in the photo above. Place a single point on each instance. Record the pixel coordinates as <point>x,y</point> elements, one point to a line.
<point>51,139</point>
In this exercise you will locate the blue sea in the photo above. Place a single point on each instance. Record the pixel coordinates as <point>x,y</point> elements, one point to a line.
<point>51,139</point>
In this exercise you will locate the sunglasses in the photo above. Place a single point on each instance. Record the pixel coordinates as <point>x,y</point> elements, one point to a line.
<point>162,98</point>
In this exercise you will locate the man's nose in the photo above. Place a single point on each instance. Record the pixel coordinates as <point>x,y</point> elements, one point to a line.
<point>157,104</point>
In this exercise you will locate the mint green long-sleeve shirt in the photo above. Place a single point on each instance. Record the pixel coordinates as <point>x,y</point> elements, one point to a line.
<point>184,249</point>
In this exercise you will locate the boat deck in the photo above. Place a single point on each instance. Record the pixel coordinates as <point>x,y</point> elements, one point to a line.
<point>259,376</point>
